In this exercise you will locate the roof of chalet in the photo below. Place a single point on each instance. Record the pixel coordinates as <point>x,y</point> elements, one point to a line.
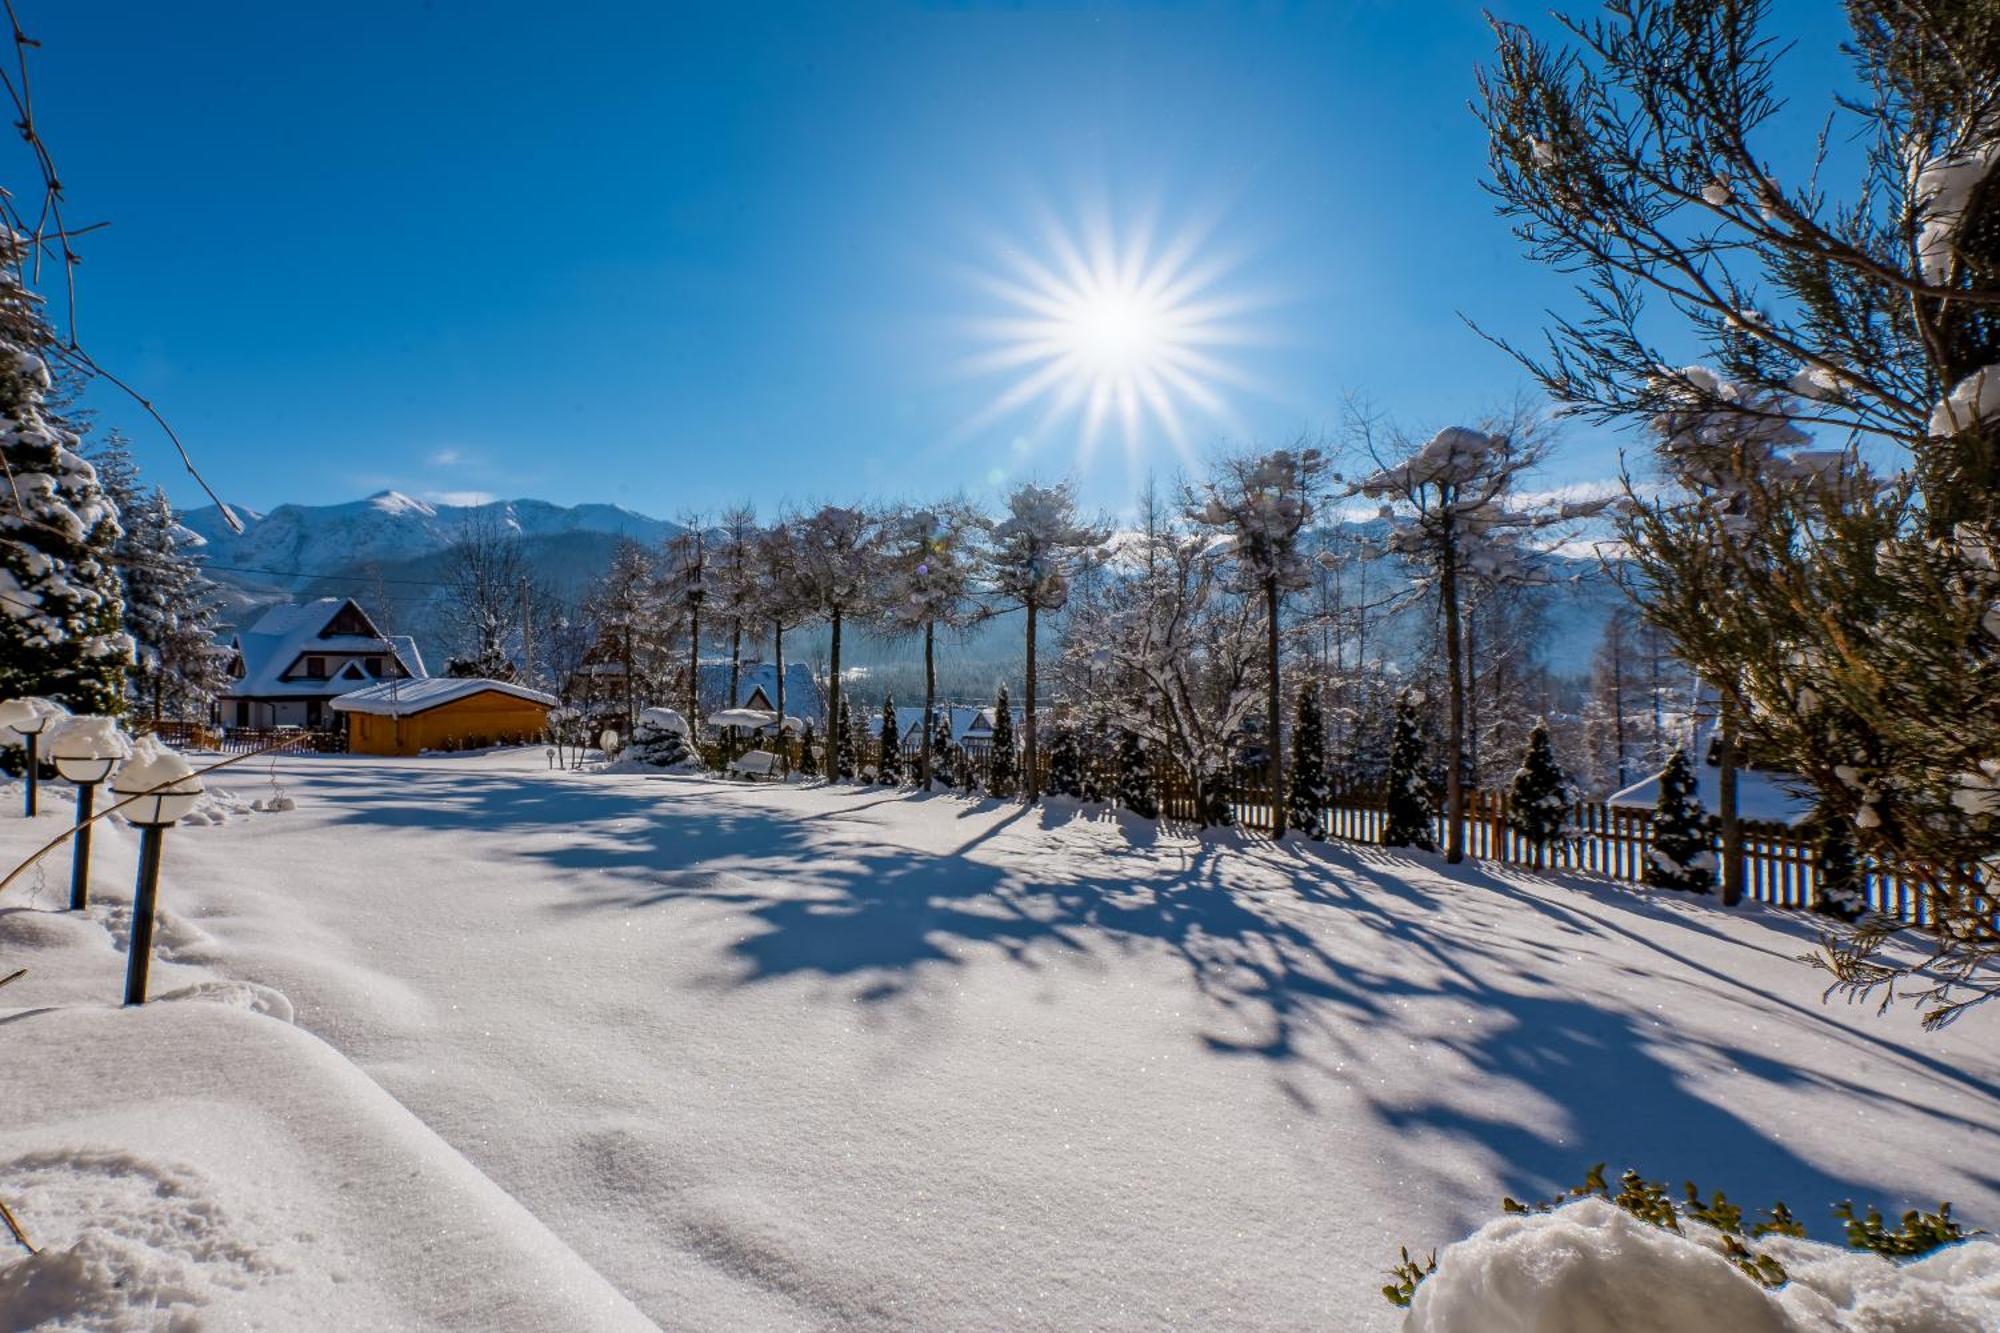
<point>284,633</point>
<point>1761,797</point>
<point>401,698</point>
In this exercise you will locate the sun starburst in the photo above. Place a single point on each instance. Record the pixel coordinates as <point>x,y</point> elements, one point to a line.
<point>1103,331</point>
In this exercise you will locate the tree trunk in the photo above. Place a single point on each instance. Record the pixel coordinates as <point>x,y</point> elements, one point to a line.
<point>1454,781</point>
<point>1031,778</point>
<point>835,723</point>
<point>930,702</point>
<point>694,669</point>
<point>778,651</point>
<point>1275,739</point>
<point>1732,823</point>
<point>631,704</point>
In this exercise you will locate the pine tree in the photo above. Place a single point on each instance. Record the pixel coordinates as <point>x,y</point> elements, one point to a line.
<point>1137,791</point>
<point>1307,800</point>
<point>1100,763</point>
<point>856,744</point>
<point>1538,804</point>
<point>889,770</point>
<point>808,753</point>
<point>169,614</point>
<point>1065,763</point>
<point>1681,857</point>
<point>941,747</point>
<point>1840,889</point>
<point>60,600</point>
<point>1411,810</point>
<point>1001,775</point>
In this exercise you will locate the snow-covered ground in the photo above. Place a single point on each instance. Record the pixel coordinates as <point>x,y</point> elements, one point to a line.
<point>805,1058</point>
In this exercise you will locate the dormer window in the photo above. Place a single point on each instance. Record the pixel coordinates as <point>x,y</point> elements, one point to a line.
<point>375,667</point>
<point>315,668</point>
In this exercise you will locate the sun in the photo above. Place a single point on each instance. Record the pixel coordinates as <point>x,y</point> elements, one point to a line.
<point>1103,332</point>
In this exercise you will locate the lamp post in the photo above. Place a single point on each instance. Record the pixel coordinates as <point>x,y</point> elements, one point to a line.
<point>167,789</point>
<point>85,750</point>
<point>28,718</point>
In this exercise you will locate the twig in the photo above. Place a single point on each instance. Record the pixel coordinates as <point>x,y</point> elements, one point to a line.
<point>7,1215</point>
<point>15,975</point>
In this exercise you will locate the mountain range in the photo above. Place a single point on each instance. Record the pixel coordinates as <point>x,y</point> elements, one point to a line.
<point>389,551</point>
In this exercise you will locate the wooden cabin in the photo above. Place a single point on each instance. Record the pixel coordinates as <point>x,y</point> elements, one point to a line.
<point>442,713</point>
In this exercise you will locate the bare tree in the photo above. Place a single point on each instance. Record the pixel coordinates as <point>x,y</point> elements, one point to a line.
<point>488,585</point>
<point>1037,550</point>
<point>1263,502</point>
<point>931,564</point>
<point>837,552</point>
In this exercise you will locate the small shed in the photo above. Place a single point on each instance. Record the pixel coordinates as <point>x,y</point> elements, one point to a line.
<point>442,713</point>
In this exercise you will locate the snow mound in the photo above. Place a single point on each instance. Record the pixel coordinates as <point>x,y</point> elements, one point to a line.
<point>1590,1267</point>
<point>257,998</point>
<point>175,938</point>
<point>127,1243</point>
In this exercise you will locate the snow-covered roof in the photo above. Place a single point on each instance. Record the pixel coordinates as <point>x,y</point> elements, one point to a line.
<point>283,634</point>
<point>400,698</point>
<point>1762,797</point>
<point>802,695</point>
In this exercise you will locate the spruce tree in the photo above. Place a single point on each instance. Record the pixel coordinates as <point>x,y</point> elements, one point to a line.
<point>1411,809</point>
<point>808,753</point>
<point>660,742</point>
<point>1681,857</point>
<point>941,747</point>
<point>852,741</point>
<point>1065,763</point>
<point>169,614</point>
<point>1100,763</point>
<point>60,600</point>
<point>889,769</point>
<point>1840,889</point>
<point>1000,773</point>
<point>1306,801</point>
<point>1538,803</point>
<point>1137,791</point>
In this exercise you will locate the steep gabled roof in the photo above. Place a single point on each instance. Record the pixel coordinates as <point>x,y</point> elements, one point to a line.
<point>284,634</point>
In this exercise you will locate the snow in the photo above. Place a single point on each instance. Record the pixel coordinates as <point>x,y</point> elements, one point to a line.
<point>285,633</point>
<point>1974,399</point>
<point>785,1056</point>
<point>401,698</point>
<point>1589,1267</point>
<point>1941,191</point>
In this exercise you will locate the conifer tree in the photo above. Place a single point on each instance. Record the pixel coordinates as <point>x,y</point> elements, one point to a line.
<point>1411,809</point>
<point>1681,857</point>
<point>1840,889</point>
<point>1307,800</point>
<point>1000,774</point>
<point>1100,763</point>
<point>1065,763</point>
<point>169,614</point>
<point>889,769</point>
<point>660,739</point>
<point>1538,804</point>
<point>853,740</point>
<point>940,743</point>
<point>60,600</point>
<point>1137,791</point>
<point>808,754</point>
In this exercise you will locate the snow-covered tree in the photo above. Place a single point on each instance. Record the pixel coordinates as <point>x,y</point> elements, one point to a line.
<point>836,572</point>
<point>1262,503</point>
<point>1850,620</point>
<point>931,562</point>
<point>857,749</point>
<point>889,768</point>
<point>1457,518</point>
<point>1138,791</point>
<point>624,606</point>
<point>1307,800</point>
<point>683,591</point>
<point>1410,807</point>
<point>489,587</point>
<point>1539,799</point>
<point>170,613</point>
<point>733,585</point>
<point>940,747</point>
<point>60,600</point>
<point>1037,549</point>
<point>1840,887</point>
<point>1065,776</point>
<point>660,738</point>
<point>1000,769</point>
<point>808,754</point>
<point>1681,857</point>
<point>779,599</point>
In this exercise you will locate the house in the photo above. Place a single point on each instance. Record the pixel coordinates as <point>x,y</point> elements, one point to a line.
<point>402,717</point>
<point>757,687</point>
<point>1771,798</point>
<point>286,668</point>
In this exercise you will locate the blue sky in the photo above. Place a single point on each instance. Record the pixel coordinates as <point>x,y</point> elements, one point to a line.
<point>673,256</point>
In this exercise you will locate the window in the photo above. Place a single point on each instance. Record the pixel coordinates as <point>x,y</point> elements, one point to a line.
<point>315,668</point>
<point>375,667</point>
